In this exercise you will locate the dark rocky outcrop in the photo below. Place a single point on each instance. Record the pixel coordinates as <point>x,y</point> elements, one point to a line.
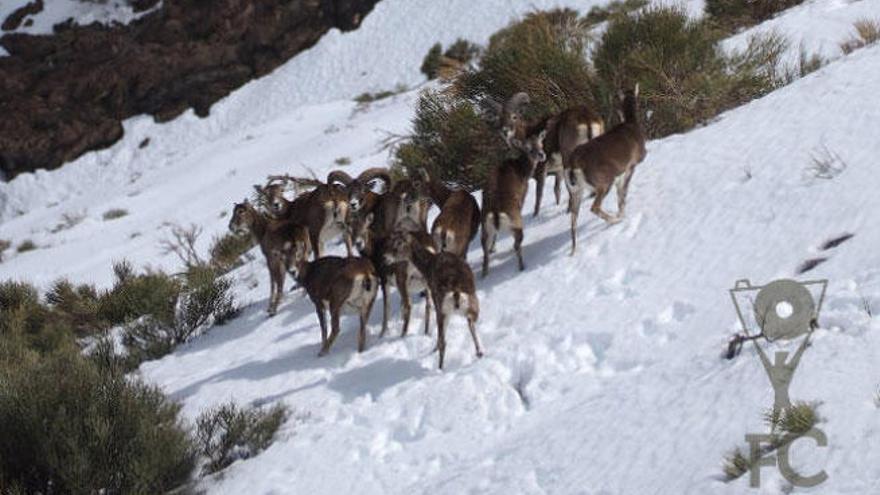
<point>64,94</point>
<point>18,15</point>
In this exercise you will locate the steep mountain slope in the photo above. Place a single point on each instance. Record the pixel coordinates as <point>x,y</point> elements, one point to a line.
<point>603,372</point>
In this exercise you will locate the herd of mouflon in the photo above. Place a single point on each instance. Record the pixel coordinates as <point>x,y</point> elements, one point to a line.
<point>387,225</point>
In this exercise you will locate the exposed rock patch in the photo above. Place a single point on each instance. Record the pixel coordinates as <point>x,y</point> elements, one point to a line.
<point>65,94</point>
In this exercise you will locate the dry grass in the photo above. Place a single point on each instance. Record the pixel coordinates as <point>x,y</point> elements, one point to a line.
<point>114,213</point>
<point>825,163</point>
<point>25,246</point>
<point>735,465</point>
<point>867,33</point>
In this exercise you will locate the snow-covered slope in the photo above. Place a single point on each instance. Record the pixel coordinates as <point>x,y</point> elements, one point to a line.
<point>603,372</point>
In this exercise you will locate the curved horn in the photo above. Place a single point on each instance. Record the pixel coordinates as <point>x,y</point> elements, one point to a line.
<point>277,178</point>
<point>375,173</point>
<point>517,101</point>
<point>340,177</point>
<point>304,182</point>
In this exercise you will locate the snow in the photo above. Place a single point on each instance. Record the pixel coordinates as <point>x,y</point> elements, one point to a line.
<point>816,27</point>
<point>82,12</point>
<point>603,371</point>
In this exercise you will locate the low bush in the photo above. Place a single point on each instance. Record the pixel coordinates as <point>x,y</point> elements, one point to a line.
<point>203,299</point>
<point>366,98</point>
<point>4,245</point>
<point>867,32</point>
<point>797,419</point>
<point>68,426</point>
<point>544,55</point>
<point>134,295</point>
<point>431,62</point>
<point>454,136</point>
<point>684,77</point>
<point>458,56</point>
<point>227,251</point>
<point>25,246</point>
<point>78,306</point>
<point>25,320</point>
<point>452,140</point>
<point>229,433</point>
<point>735,465</point>
<point>114,213</point>
<point>69,220</point>
<point>731,15</point>
<point>462,51</point>
<point>602,13</point>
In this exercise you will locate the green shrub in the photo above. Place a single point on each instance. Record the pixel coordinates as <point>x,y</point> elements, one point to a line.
<point>26,321</point>
<point>135,295</point>
<point>78,306</point>
<point>684,77</point>
<point>731,15</point>
<point>26,245</point>
<point>228,249</point>
<point>452,140</point>
<point>67,426</point>
<point>543,55</point>
<point>459,55</point>
<point>602,13</point>
<point>342,161</point>
<point>229,433</point>
<point>203,299</point>
<point>366,98</point>
<point>797,419</point>
<point>431,62</point>
<point>735,465</point>
<point>114,213</point>
<point>462,51</point>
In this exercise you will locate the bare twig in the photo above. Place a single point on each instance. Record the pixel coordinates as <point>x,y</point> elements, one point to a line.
<point>182,243</point>
<point>392,139</point>
<point>825,163</point>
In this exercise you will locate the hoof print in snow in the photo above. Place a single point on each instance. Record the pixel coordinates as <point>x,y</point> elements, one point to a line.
<point>836,241</point>
<point>810,264</point>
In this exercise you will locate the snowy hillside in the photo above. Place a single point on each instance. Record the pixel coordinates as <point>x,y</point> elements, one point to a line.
<point>603,371</point>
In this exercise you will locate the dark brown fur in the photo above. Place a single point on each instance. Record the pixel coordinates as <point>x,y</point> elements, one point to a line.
<point>565,131</point>
<point>503,197</point>
<point>406,276</point>
<point>331,283</point>
<point>609,159</point>
<point>459,219</point>
<point>451,286</point>
<point>371,230</point>
<point>277,240</point>
<point>319,210</point>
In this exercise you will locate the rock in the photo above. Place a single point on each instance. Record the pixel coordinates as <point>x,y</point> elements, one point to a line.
<point>67,93</point>
<point>18,15</point>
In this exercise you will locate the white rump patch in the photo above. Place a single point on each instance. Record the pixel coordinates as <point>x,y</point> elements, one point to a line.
<point>448,305</point>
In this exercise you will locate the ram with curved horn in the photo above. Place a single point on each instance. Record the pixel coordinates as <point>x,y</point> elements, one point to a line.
<point>323,210</point>
<point>360,189</point>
